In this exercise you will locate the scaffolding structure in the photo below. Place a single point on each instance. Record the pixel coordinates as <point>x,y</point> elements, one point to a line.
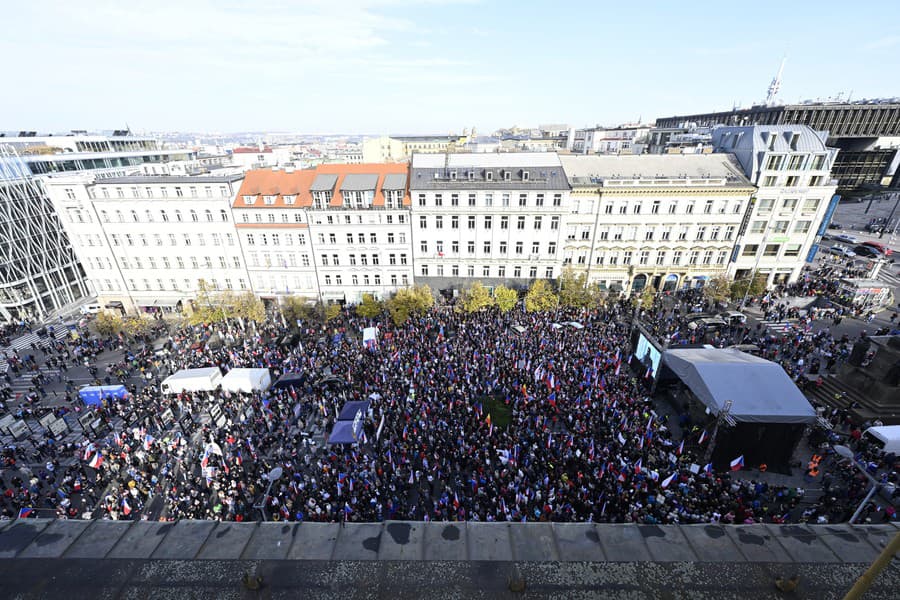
<point>39,272</point>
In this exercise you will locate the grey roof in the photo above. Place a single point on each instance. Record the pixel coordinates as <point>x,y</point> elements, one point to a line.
<point>759,137</point>
<point>323,183</point>
<point>359,182</point>
<point>477,171</point>
<point>394,181</point>
<point>462,160</point>
<point>587,170</point>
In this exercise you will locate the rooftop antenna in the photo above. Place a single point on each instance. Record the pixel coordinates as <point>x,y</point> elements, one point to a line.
<point>775,86</point>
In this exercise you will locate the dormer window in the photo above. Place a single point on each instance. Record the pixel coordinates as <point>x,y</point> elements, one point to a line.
<point>290,199</point>
<point>507,175</point>
<point>452,175</point>
<point>471,175</point>
<point>489,176</point>
<point>269,200</point>
<point>524,175</point>
<point>249,199</point>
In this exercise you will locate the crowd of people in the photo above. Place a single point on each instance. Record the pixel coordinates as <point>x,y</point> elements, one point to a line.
<point>484,417</point>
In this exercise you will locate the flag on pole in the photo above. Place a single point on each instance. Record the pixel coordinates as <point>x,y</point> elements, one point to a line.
<point>126,508</point>
<point>25,512</point>
<point>665,482</point>
<point>738,463</point>
<point>680,448</point>
<point>702,437</point>
<point>621,438</point>
<point>637,465</point>
<point>708,469</point>
<point>96,461</point>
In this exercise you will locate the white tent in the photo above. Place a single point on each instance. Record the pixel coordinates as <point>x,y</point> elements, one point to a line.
<point>760,390</point>
<point>247,380</point>
<point>206,379</point>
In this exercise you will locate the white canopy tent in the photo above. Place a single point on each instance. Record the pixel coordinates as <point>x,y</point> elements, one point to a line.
<point>247,380</point>
<point>760,390</point>
<point>205,379</point>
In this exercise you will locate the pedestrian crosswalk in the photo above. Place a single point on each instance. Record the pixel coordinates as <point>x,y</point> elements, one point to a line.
<point>779,327</point>
<point>24,343</point>
<point>889,278</point>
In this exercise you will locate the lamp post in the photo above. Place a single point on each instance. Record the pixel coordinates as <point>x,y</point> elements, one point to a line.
<point>723,417</point>
<point>273,476</point>
<point>847,453</point>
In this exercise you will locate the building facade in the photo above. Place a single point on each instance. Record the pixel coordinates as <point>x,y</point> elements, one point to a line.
<point>148,242</point>
<point>867,132</point>
<point>790,165</point>
<point>668,222</point>
<point>626,139</point>
<point>39,271</point>
<point>400,148</point>
<point>496,218</point>
<point>332,233</point>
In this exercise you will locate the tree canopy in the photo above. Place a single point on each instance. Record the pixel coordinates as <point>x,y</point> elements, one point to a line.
<point>540,297</point>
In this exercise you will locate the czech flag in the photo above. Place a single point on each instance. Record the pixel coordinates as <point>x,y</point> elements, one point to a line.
<point>702,437</point>
<point>738,463</point>
<point>709,469</point>
<point>680,448</point>
<point>26,512</point>
<point>637,465</point>
<point>126,508</point>
<point>96,461</point>
<point>665,482</point>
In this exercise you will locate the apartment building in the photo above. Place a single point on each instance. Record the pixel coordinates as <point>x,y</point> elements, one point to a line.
<point>399,148</point>
<point>331,233</point>
<point>495,218</point>
<point>148,241</point>
<point>790,165</point>
<point>667,221</point>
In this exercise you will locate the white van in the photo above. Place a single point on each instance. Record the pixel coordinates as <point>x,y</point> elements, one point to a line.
<point>886,437</point>
<point>91,309</point>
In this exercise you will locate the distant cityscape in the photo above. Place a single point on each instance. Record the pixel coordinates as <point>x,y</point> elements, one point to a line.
<point>141,220</point>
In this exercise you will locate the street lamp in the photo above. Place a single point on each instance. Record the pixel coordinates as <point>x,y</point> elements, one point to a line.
<point>273,476</point>
<point>847,453</point>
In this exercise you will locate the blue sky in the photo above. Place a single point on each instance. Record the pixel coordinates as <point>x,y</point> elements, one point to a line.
<point>432,66</point>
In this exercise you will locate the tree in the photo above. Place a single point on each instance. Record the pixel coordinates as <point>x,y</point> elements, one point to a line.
<point>296,308</point>
<point>331,312</point>
<point>756,284</point>
<point>369,308</point>
<point>475,299</point>
<point>208,307</point>
<point>409,301</point>
<point>574,291</point>
<point>718,289</point>
<point>506,298</point>
<point>648,295</point>
<point>136,326</point>
<point>245,306</point>
<point>540,297</point>
<point>108,323</point>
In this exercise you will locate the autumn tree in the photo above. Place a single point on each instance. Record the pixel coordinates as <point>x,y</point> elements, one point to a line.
<point>574,291</point>
<point>409,301</point>
<point>108,323</point>
<point>296,308</point>
<point>756,285</point>
<point>506,298</point>
<point>718,289</point>
<point>475,299</point>
<point>369,308</point>
<point>540,297</point>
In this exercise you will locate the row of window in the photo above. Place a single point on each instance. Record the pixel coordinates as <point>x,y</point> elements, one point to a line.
<point>487,199</point>
<point>164,262</point>
<point>661,257</point>
<point>171,239</point>
<point>149,192</point>
<point>148,216</point>
<point>810,205</point>
<point>772,250</point>
<point>366,280</point>
<point>712,233</point>
<point>487,247</point>
<point>486,271</point>
<point>795,162</point>
<point>487,222</point>
<point>140,285</point>
<point>672,207</point>
<point>780,226</point>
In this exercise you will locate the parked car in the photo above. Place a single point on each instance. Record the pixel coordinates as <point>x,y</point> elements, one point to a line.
<point>842,251</point>
<point>880,247</point>
<point>834,225</point>
<point>733,317</point>
<point>867,251</point>
<point>847,239</point>
<point>90,309</point>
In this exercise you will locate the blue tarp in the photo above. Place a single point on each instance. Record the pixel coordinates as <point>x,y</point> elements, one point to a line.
<point>350,410</point>
<point>343,432</point>
<point>93,394</point>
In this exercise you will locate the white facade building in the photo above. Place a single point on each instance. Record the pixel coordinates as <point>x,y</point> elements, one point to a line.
<point>607,140</point>
<point>790,165</point>
<point>148,241</point>
<point>331,233</point>
<point>497,218</point>
<point>663,221</point>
